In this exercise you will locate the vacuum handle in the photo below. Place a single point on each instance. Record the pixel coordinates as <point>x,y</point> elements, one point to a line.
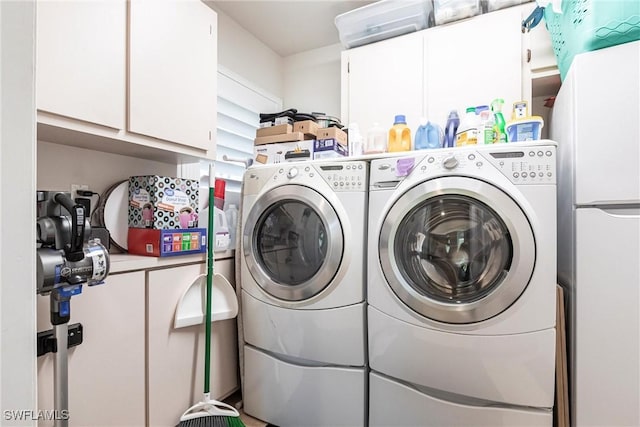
<point>73,251</point>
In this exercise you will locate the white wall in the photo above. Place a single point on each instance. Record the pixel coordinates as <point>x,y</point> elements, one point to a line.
<point>96,169</point>
<point>245,55</point>
<point>17,210</point>
<point>312,80</point>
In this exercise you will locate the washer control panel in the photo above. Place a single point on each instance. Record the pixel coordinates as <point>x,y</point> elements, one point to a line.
<point>532,165</point>
<point>341,176</point>
<point>345,176</point>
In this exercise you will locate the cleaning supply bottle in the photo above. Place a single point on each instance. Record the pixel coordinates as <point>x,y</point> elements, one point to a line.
<point>482,112</point>
<point>355,140</point>
<point>496,108</point>
<point>487,128</point>
<point>468,130</point>
<point>399,135</point>
<point>420,140</point>
<point>428,135</point>
<point>376,141</point>
<point>232,222</point>
<point>450,129</point>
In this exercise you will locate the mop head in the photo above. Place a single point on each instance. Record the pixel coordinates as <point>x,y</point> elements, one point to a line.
<point>211,413</point>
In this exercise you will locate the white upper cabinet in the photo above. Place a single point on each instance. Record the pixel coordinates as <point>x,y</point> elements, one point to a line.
<point>472,62</point>
<point>172,71</point>
<point>431,72</point>
<point>133,77</point>
<point>80,63</point>
<point>382,80</point>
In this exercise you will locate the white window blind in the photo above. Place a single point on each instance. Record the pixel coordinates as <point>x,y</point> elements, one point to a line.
<point>239,106</point>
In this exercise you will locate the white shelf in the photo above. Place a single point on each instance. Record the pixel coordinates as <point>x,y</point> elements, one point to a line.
<point>66,131</point>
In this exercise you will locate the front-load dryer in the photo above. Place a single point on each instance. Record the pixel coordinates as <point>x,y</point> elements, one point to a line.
<point>302,289</point>
<point>462,286</point>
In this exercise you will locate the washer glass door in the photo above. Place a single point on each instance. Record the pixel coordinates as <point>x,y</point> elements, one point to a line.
<point>293,243</point>
<point>457,250</point>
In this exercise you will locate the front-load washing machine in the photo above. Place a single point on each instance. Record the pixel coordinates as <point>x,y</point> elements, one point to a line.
<point>302,289</point>
<point>462,286</point>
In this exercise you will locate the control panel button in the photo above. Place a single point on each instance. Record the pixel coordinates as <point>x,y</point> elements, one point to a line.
<point>531,154</point>
<point>341,184</point>
<point>335,183</point>
<point>472,156</point>
<point>532,174</point>
<point>540,174</point>
<point>348,167</point>
<point>359,166</point>
<point>478,164</point>
<point>281,171</point>
<point>311,174</point>
<point>431,160</point>
<point>516,174</point>
<point>540,154</point>
<point>548,153</point>
<point>501,163</point>
<point>292,173</point>
<point>450,162</point>
<point>423,168</point>
<point>307,169</point>
<point>549,174</point>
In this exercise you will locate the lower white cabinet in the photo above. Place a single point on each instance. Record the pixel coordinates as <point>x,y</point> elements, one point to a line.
<point>106,371</point>
<point>173,384</point>
<point>134,368</point>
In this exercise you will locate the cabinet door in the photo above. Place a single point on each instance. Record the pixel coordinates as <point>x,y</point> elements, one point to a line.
<point>172,71</point>
<point>106,371</point>
<point>385,79</point>
<point>176,356</point>
<point>80,64</point>
<point>472,62</point>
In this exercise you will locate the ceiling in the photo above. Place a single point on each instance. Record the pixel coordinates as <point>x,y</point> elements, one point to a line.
<point>290,26</point>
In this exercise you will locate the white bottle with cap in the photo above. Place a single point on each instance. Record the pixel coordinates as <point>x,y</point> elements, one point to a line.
<point>232,222</point>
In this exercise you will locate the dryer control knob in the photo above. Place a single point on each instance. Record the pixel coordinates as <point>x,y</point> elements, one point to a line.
<point>450,162</point>
<point>292,173</point>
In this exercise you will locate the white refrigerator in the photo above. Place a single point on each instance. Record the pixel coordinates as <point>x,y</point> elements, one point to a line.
<point>596,122</point>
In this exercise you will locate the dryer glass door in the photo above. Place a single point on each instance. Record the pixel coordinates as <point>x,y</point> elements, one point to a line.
<point>457,250</point>
<point>293,243</point>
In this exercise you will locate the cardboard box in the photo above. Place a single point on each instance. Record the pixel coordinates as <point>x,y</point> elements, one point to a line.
<point>333,133</point>
<point>274,130</point>
<point>328,149</point>
<point>162,243</point>
<point>308,127</point>
<point>161,202</point>
<point>283,152</point>
<point>287,137</point>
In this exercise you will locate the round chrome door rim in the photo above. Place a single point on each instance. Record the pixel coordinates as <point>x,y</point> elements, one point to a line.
<point>496,301</point>
<point>335,246</point>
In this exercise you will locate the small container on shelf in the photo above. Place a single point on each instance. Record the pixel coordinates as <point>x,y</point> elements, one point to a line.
<point>446,11</point>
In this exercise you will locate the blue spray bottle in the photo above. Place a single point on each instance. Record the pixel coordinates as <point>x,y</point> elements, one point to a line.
<point>450,129</point>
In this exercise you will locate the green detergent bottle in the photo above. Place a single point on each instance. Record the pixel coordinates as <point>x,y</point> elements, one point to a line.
<point>496,109</point>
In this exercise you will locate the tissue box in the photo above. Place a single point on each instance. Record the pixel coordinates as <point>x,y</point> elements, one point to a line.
<point>163,243</point>
<point>328,149</point>
<point>161,202</point>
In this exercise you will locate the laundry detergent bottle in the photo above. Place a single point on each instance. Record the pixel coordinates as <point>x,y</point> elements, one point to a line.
<point>399,135</point>
<point>450,129</point>
<point>468,130</point>
<point>428,135</point>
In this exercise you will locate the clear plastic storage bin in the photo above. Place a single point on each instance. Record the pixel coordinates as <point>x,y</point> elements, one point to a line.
<point>382,20</point>
<point>453,10</point>
<point>492,5</point>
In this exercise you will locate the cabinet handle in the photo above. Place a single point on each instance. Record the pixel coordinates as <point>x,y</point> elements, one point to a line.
<point>528,55</point>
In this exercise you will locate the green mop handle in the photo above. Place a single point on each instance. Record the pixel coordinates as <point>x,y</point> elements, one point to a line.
<point>210,243</point>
